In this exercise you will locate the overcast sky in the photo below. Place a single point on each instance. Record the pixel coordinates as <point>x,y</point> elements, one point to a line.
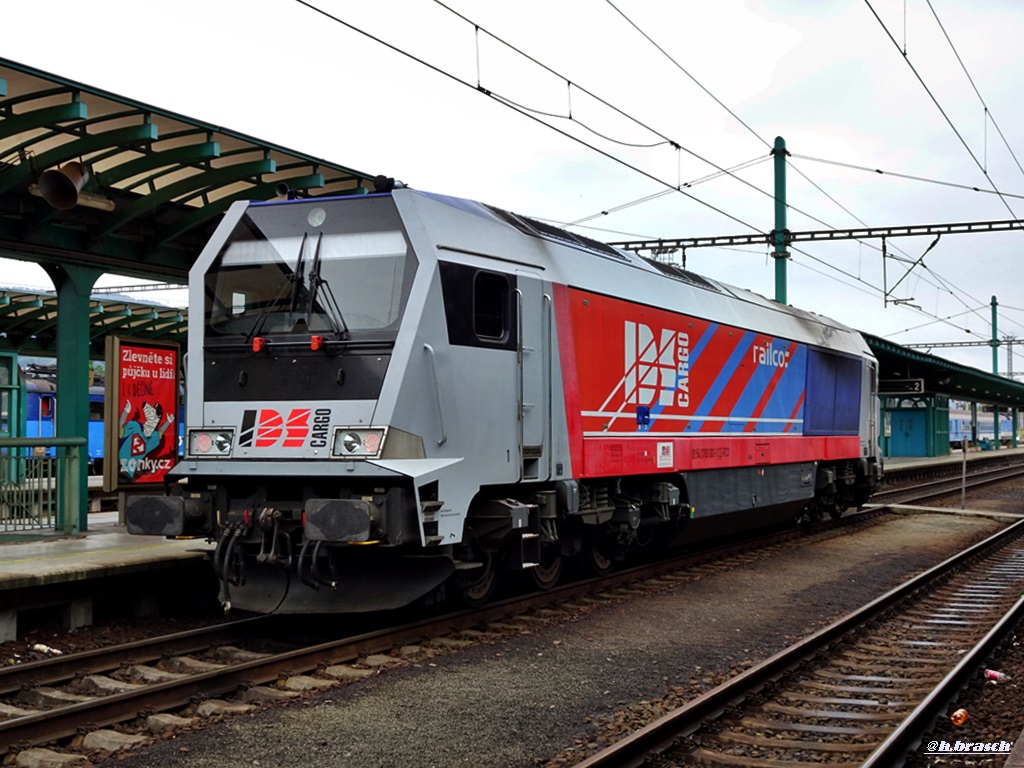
<point>730,76</point>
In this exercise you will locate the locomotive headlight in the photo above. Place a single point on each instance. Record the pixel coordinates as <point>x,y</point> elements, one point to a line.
<point>209,442</point>
<point>358,443</point>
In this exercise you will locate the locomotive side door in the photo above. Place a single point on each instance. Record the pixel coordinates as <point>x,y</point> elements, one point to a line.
<point>533,350</point>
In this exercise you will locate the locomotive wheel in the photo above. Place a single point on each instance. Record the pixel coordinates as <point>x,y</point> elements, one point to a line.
<point>547,573</point>
<point>597,554</point>
<point>476,587</point>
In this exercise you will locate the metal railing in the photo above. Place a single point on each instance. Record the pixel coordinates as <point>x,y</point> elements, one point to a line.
<point>39,483</point>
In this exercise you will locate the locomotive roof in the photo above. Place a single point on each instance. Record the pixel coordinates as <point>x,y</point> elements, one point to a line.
<point>743,307</point>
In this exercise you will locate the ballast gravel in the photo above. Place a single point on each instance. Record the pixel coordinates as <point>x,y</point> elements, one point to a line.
<point>550,694</point>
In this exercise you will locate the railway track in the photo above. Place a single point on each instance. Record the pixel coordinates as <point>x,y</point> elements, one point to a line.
<point>860,692</point>
<point>941,485</point>
<point>51,701</point>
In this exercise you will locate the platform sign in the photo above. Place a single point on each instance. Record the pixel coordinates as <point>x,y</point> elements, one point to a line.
<point>140,411</point>
<point>901,386</point>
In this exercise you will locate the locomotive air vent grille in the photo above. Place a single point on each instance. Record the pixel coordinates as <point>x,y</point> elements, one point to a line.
<point>536,228</point>
<point>677,272</point>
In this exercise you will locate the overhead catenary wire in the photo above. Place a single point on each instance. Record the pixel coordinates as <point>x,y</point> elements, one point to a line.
<point>946,117</point>
<point>570,85</point>
<point>664,192</point>
<point>910,177</point>
<point>963,66</point>
<point>512,106</point>
<point>735,116</point>
<point>477,29</point>
<point>481,89</point>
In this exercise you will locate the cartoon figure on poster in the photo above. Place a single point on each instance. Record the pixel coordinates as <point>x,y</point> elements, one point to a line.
<point>140,438</point>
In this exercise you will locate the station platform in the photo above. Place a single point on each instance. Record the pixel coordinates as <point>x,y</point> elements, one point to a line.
<point>905,463</point>
<point>76,575</point>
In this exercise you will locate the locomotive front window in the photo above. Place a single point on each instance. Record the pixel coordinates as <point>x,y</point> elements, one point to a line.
<point>341,267</point>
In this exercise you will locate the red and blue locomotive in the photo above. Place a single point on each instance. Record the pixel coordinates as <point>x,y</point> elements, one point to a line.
<point>401,394</point>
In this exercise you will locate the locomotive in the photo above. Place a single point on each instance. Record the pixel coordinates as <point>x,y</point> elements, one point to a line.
<point>397,396</point>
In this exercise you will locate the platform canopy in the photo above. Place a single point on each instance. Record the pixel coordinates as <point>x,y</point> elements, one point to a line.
<point>153,184</point>
<point>28,321</point>
<point>94,183</point>
<point>908,370</point>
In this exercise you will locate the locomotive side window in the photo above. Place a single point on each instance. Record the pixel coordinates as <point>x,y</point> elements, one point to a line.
<point>490,305</point>
<point>478,306</point>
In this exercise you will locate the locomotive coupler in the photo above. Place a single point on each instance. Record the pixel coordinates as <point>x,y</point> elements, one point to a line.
<point>269,521</point>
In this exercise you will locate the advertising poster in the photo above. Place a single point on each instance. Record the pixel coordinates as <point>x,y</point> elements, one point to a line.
<point>141,411</point>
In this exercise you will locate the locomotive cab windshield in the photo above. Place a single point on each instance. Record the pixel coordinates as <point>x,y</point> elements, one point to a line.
<point>278,274</point>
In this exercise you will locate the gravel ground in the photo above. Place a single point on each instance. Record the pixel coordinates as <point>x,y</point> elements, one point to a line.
<point>995,712</point>
<point>123,630</point>
<point>549,695</point>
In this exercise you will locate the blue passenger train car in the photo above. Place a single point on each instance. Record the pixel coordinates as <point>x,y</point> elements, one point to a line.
<point>41,413</point>
<point>960,428</point>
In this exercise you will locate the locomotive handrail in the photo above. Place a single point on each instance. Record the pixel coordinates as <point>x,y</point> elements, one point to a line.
<point>520,385</point>
<point>431,355</point>
<point>548,344</point>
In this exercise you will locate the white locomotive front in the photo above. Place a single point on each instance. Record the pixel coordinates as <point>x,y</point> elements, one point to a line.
<point>388,394</point>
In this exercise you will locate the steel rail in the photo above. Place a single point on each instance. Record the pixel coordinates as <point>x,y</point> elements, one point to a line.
<point>947,486</point>
<point>60,668</point>
<point>55,724</point>
<point>656,737</point>
<point>908,734</point>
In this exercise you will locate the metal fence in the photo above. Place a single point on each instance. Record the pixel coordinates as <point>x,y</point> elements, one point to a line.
<point>39,486</point>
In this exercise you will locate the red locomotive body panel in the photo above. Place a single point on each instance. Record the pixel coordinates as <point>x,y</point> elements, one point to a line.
<point>660,391</point>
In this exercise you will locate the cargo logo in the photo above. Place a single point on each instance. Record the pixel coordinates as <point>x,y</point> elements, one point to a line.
<point>657,366</point>
<point>266,427</point>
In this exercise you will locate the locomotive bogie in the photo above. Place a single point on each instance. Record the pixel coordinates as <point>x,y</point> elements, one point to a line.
<point>403,395</point>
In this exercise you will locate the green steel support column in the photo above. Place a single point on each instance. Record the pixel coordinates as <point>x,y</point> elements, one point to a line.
<point>995,338</point>
<point>73,285</point>
<point>780,253</point>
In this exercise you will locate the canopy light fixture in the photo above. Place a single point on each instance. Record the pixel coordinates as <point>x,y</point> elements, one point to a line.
<point>62,188</point>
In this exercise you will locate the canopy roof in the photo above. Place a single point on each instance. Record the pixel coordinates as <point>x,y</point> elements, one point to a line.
<point>155,183</point>
<point>28,321</point>
<point>902,365</point>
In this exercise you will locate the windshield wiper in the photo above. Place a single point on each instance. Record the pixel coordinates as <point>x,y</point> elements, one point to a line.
<point>330,304</point>
<point>298,277</point>
<point>295,278</point>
